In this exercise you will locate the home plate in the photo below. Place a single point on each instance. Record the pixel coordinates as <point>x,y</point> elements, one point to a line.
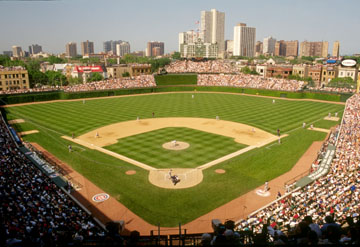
<point>263,193</point>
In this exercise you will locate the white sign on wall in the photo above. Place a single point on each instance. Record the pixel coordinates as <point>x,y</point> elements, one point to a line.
<point>348,62</point>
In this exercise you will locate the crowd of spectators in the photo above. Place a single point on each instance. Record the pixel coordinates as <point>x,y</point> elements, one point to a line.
<point>326,211</point>
<point>33,210</point>
<point>249,81</point>
<point>12,68</point>
<point>210,66</point>
<point>125,82</point>
<point>32,90</point>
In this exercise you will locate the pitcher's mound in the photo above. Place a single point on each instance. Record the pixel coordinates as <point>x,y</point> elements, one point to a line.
<point>176,145</point>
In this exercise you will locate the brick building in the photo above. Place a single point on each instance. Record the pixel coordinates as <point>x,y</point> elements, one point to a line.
<point>13,78</point>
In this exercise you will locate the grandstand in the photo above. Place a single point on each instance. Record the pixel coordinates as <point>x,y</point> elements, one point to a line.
<point>37,208</point>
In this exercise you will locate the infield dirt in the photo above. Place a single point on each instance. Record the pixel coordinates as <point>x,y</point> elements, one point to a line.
<point>110,134</point>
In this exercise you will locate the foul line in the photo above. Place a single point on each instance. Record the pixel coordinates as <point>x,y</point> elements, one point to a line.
<point>116,155</point>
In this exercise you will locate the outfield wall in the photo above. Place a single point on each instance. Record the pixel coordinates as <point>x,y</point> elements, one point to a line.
<point>60,95</point>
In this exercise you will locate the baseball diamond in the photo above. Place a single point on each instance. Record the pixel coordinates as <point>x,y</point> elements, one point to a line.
<point>114,135</point>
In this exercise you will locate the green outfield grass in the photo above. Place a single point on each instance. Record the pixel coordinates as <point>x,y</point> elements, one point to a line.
<point>147,147</point>
<point>169,207</point>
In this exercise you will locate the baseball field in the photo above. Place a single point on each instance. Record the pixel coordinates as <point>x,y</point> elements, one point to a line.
<point>194,134</point>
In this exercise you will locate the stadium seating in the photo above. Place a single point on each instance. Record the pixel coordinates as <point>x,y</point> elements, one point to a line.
<point>331,197</point>
<point>33,210</point>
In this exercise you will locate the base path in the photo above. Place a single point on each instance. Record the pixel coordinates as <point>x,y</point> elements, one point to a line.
<point>241,133</point>
<point>99,138</point>
<point>319,129</point>
<point>112,210</point>
<point>15,121</point>
<point>29,132</point>
<point>332,118</point>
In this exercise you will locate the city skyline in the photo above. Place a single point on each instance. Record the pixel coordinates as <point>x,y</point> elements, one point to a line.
<point>53,24</point>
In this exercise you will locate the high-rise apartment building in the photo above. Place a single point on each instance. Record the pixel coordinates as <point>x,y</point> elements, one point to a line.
<point>244,40</point>
<point>336,49</point>
<point>229,46</point>
<point>199,50</point>
<point>187,38</point>
<point>269,45</point>
<point>286,48</point>
<point>110,46</point>
<point>280,48</point>
<point>17,51</point>
<point>314,49</point>
<point>8,53</point>
<point>213,28</point>
<point>258,48</point>
<point>122,48</point>
<point>71,50</point>
<point>292,48</point>
<point>87,47</point>
<point>156,51</point>
<point>150,48</point>
<point>35,49</point>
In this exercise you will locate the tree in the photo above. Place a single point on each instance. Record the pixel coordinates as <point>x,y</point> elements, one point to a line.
<point>111,61</point>
<point>75,80</point>
<point>308,79</point>
<point>92,60</point>
<point>36,77</point>
<point>347,82</point>
<point>7,62</point>
<point>126,74</point>
<point>308,58</point>
<point>357,59</point>
<point>33,65</point>
<point>176,55</point>
<point>95,77</point>
<point>56,78</point>
<point>247,70</point>
<point>53,59</point>
<point>4,59</point>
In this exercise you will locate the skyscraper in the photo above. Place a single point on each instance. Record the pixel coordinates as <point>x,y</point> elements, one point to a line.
<point>286,48</point>
<point>229,46</point>
<point>187,38</point>
<point>17,51</point>
<point>292,48</point>
<point>150,48</point>
<point>258,48</point>
<point>35,49</point>
<point>122,48</point>
<point>244,40</point>
<point>8,53</point>
<point>314,49</point>
<point>71,50</point>
<point>336,49</point>
<point>213,28</point>
<point>269,45</point>
<point>110,46</point>
<point>87,47</point>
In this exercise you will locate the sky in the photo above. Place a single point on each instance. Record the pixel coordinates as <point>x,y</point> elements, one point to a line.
<point>52,24</point>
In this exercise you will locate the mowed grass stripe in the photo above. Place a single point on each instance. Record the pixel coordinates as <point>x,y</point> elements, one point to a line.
<point>204,147</point>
